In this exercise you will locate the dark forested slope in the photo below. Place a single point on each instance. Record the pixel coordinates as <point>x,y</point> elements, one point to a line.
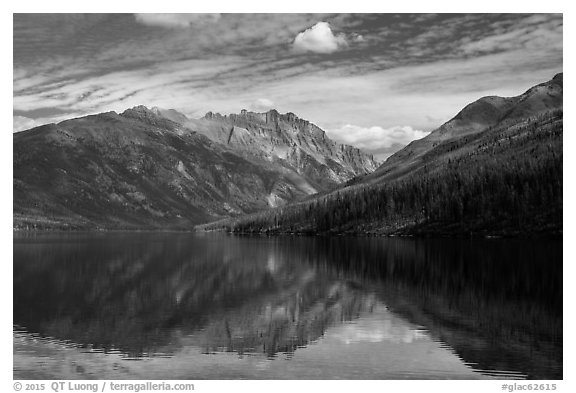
<point>494,172</point>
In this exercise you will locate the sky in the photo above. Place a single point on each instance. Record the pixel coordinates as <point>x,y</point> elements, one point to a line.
<point>376,81</point>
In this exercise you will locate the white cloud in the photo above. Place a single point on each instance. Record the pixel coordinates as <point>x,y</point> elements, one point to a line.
<point>262,105</point>
<point>329,94</point>
<point>376,139</point>
<point>319,39</point>
<point>176,20</point>
<point>21,123</point>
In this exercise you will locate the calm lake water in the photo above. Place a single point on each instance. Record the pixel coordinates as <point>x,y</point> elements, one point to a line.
<point>214,306</point>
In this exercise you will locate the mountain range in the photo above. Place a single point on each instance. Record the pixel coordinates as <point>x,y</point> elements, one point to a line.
<point>155,168</point>
<point>493,169</point>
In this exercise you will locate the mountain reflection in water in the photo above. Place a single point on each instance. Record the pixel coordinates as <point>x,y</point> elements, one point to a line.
<point>218,306</point>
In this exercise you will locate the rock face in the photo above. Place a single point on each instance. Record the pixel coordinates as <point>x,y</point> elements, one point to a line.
<point>146,168</point>
<point>284,140</point>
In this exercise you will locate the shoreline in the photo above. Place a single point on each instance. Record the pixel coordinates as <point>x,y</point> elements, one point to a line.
<point>408,234</point>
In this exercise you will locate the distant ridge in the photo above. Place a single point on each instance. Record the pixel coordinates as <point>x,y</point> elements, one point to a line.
<point>493,169</point>
<point>299,144</point>
<point>157,169</point>
<point>476,117</point>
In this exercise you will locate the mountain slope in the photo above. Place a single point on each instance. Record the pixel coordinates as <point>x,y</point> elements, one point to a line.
<point>126,171</point>
<point>144,169</point>
<point>476,117</point>
<point>495,168</point>
<point>282,140</point>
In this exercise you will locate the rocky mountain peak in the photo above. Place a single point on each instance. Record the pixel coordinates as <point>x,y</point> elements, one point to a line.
<point>143,114</point>
<point>211,115</point>
<point>138,109</point>
<point>170,114</point>
<point>269,118</point>
<point>556,82</point>
<point>284,139</point>
<point>272,116</point>
<point>559,77</point>
<point>139,112</point>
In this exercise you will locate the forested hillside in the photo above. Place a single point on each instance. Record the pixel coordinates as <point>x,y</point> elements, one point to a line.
<point>505,180</point>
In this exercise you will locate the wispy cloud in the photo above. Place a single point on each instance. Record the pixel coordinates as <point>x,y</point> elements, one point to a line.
<point>262,105</point>
<point>532,33</point>
<point>357,73</point>
<point>176,20</point>
<point>21,123</point>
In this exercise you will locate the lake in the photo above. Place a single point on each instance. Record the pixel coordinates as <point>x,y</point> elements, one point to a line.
<point>216,306</point>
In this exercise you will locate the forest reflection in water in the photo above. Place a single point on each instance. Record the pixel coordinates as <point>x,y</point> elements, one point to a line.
<point>285,307</point>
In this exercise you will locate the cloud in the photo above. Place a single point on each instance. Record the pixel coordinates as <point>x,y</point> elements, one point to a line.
<point>118,90</point>
<point>548,36</point>
<point>319,39</point>
<point>21,123</point>
<point>225,66</point>
<point>358,38</point>
<point>176,20</point>
<point>377,140</point>
<point>262,105</point>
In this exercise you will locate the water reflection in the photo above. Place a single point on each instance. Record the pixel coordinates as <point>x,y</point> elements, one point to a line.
<point>285,307</point>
